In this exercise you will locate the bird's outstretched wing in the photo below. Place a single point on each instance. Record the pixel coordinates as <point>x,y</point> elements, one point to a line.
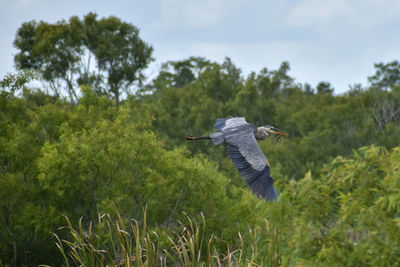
<point>260,181</point>
<point>248,157</point>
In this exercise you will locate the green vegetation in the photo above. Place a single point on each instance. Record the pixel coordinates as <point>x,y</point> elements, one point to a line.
<point>63,53</point>
<point>91,178</point>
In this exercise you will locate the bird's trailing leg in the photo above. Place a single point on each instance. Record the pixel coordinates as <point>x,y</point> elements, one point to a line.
<point>191,138</point>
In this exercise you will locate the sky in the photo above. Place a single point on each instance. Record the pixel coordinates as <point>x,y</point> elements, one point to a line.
<point>335,41</point>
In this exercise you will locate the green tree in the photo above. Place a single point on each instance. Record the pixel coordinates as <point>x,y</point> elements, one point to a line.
<point>180,73</point>
<point>119,52</point>
<point>324,88</point>
<point>386,76</point>
<point>13,83</point>
<point>348,215</point>
<point>25,127</point>
<point>79,160</point>
<point>63,52</point>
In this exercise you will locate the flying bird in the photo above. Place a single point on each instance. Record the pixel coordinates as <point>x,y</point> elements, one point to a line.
<point>241,139</point>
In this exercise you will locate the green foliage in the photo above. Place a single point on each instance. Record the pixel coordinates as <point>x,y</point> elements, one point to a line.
<point>347,216</point>
<point>16,82</point>
<point>118,50</point>
<point>22,215</point>
<point>62,52</point>
<point>179,73</point>
<point>114,242</point>
<point>77,161</point>
<point>387,75</point>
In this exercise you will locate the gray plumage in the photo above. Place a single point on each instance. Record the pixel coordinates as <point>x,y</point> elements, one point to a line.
<point>246,154</point>
<point>217,138</point>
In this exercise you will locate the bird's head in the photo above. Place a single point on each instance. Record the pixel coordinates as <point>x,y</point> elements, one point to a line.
<point>272,130</point>
<point>268,129</point>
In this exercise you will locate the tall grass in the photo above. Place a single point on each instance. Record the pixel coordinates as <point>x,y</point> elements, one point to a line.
<point>120,242</point>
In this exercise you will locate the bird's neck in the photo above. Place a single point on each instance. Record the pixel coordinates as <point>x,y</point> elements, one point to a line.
<point>260,133</point>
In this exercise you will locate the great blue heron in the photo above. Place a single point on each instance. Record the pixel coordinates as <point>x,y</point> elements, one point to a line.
<point>241,138</point>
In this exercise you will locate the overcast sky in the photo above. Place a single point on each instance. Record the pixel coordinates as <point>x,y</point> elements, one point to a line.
<point>323,40</point>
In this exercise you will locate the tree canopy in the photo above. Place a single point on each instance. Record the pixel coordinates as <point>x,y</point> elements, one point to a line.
<point>64,53</point>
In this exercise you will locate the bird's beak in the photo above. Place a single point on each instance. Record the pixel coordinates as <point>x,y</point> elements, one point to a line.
<point>278,132</point>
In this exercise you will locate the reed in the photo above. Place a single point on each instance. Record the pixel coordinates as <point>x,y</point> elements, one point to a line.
<point>120,242</point>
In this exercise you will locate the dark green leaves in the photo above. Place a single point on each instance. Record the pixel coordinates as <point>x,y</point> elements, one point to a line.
<point>106,54</point>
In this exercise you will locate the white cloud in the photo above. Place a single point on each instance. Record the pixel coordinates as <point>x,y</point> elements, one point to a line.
<point>365,15</point>
<point>184,14</point>
<point>313,13</point>
<point>21,4</point>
